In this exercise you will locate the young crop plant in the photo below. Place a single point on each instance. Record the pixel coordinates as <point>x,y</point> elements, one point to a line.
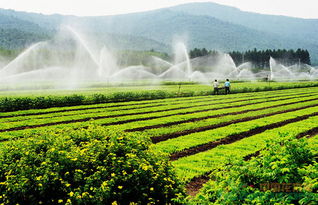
<point>85,166</point>
<point>285,172</point>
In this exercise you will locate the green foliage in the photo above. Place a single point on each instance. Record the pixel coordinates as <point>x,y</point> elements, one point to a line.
<point>287,160</point>
<point>25,103</point>
<point>16,39</point>
<point>86,166</point>
<point>260,58</point>
<point>220,27</point>
<point>118,94</point>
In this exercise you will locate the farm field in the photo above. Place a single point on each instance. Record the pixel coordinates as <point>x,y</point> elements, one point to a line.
<point>88,90</point>
<point>15,100</point>
<point>198,134</point>
<point>186,87</point>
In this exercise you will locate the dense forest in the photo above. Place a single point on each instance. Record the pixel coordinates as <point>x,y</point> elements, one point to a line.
<point>260,58</point>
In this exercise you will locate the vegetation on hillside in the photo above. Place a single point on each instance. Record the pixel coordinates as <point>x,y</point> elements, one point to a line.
<point>155,29</point>
<point>260,58</point>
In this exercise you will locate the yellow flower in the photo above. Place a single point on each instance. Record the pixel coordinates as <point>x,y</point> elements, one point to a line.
<point>151,188</point>
<point>120,187</point>
<point>60,201</point>
<point>113,174</point>
<point>71,194</point>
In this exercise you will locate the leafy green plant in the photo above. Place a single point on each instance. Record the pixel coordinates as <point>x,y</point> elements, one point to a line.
<point>287,160</point>
<point>85,166</point>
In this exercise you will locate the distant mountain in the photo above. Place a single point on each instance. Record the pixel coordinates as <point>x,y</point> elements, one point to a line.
<point>208,25</point>
<point>289,27</point>
<point>21,29</point>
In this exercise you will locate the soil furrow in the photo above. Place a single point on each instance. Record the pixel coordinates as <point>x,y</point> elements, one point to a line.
<point>196,183</point>
<point>235,137</point>
<point>215,116</point>
<point>309,133</point>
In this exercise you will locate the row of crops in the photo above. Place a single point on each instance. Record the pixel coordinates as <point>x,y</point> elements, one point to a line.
<point>39,99</point>
<point>199,134</point>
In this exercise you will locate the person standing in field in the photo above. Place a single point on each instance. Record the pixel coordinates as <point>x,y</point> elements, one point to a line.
<point>216,87</point>
<point>227,86</point>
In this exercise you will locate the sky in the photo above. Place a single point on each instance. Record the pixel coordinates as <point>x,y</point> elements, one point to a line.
<point>295,8</point>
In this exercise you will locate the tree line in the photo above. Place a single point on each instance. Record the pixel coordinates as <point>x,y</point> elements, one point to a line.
<point>260,58</point>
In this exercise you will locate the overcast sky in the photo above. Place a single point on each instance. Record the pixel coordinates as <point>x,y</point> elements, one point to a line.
<point>296,8</point>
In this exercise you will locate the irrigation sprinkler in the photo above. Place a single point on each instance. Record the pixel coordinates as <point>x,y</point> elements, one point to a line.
<point>179,88</point>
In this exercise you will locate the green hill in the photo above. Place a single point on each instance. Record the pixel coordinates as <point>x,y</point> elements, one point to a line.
<point>201,25</point>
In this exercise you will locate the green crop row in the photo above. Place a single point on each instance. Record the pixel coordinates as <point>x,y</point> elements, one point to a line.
<point>201,163</point>
<point>8,135</point>
<point>228,118</point>
<point>64,119</point>
<point>111,113</point>
<point>175,123</point>
<point>199,138</point>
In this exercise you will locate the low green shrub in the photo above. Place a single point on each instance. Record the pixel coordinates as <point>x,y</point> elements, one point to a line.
<point>86,166</point>
<point>286,172</point>
<point>25,103</point>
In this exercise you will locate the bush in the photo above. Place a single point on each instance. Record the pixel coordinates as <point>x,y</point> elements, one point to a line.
<point>25,103</point>
<point>285,161</point>
<point>87,166</point>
